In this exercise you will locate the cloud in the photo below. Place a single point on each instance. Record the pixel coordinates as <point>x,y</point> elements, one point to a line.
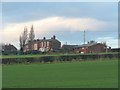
<point>110,41</point>
<point>73,24</point>
<point>48,25</point>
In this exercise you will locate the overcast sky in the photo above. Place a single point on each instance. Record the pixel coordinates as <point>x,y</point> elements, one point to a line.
<point>66,20</point>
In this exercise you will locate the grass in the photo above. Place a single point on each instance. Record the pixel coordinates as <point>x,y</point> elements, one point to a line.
<point>0,76</point>
<point>88,74</point>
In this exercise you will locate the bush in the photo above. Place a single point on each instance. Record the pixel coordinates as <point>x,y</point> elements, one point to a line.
<point>59,58</point>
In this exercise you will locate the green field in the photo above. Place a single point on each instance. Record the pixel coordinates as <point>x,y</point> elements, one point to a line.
<point>88,74</point>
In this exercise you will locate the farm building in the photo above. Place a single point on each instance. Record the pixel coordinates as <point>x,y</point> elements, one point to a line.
<point>92,47</point>
<point>43,45</point>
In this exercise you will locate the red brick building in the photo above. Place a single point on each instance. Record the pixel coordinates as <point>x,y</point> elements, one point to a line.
<point>92,47</point>
<point>43,45</point>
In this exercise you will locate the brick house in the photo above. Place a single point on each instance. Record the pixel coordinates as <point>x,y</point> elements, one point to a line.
<point>43,45</point>
<point>92,47</point>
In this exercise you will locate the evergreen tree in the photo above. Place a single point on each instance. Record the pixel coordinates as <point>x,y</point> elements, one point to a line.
<point>31,38</point>
<point>31,34</point>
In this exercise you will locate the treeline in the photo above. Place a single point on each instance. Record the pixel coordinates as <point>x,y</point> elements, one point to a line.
<point>59,58</point>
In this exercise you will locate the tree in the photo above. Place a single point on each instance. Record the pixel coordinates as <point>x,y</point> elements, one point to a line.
<point>31,38</point>
<point>23,38</point>
<point>31,34</point>
<point>21,43</point>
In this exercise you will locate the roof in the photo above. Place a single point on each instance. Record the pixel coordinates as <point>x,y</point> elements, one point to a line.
<point>40,40</point>
<point>87,45</point>
<point>69,46</point>
<point>9,47</point>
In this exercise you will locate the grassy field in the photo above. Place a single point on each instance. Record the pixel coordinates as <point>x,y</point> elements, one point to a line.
<point>88,74</point>
<point>0,76</point>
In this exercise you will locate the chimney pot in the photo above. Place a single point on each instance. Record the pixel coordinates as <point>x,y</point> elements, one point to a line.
<point>54,37</point>
<point>44,38</point>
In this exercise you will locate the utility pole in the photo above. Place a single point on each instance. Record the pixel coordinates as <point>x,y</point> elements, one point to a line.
<point>84,36</point>
<point>65,43</point>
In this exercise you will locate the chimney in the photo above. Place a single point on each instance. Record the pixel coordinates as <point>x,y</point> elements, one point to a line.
<point>44,38</point>
<point>54,37</point>
<point>37,39</point>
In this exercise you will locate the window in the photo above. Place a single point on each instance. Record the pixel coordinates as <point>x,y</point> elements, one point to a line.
<point>47,43</point>
<point>35,46</point>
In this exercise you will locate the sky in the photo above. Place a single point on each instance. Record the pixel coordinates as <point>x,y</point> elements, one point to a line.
<point>66,20</point>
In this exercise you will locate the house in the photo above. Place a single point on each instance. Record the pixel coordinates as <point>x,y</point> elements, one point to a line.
<point>115,49</point>
<point>92,47</point>
<point>8,49</point>
<point>43,45</point>
<point>68,48</point>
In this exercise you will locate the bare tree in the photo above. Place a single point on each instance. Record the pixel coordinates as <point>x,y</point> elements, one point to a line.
<point>23,38</point>
<point>21,43</point>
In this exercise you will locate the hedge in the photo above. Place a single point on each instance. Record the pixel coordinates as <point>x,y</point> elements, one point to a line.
<point>59,58</point>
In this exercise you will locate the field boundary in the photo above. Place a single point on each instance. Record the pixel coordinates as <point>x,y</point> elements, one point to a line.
<point>56,58</point>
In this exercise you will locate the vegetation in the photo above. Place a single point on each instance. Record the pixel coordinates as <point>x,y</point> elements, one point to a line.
<point>0,76</point>
<point>10,59</point>
<point>23,38</point>
<point>31,34</point>
<point>89,74</point>
<point>56,54</point>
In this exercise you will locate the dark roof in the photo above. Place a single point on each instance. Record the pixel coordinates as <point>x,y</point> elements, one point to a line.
<point>9,47</point>
<point>69,46</point>
<point>87,45</point>
<point>53,40</point>
<point>40,40</point>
